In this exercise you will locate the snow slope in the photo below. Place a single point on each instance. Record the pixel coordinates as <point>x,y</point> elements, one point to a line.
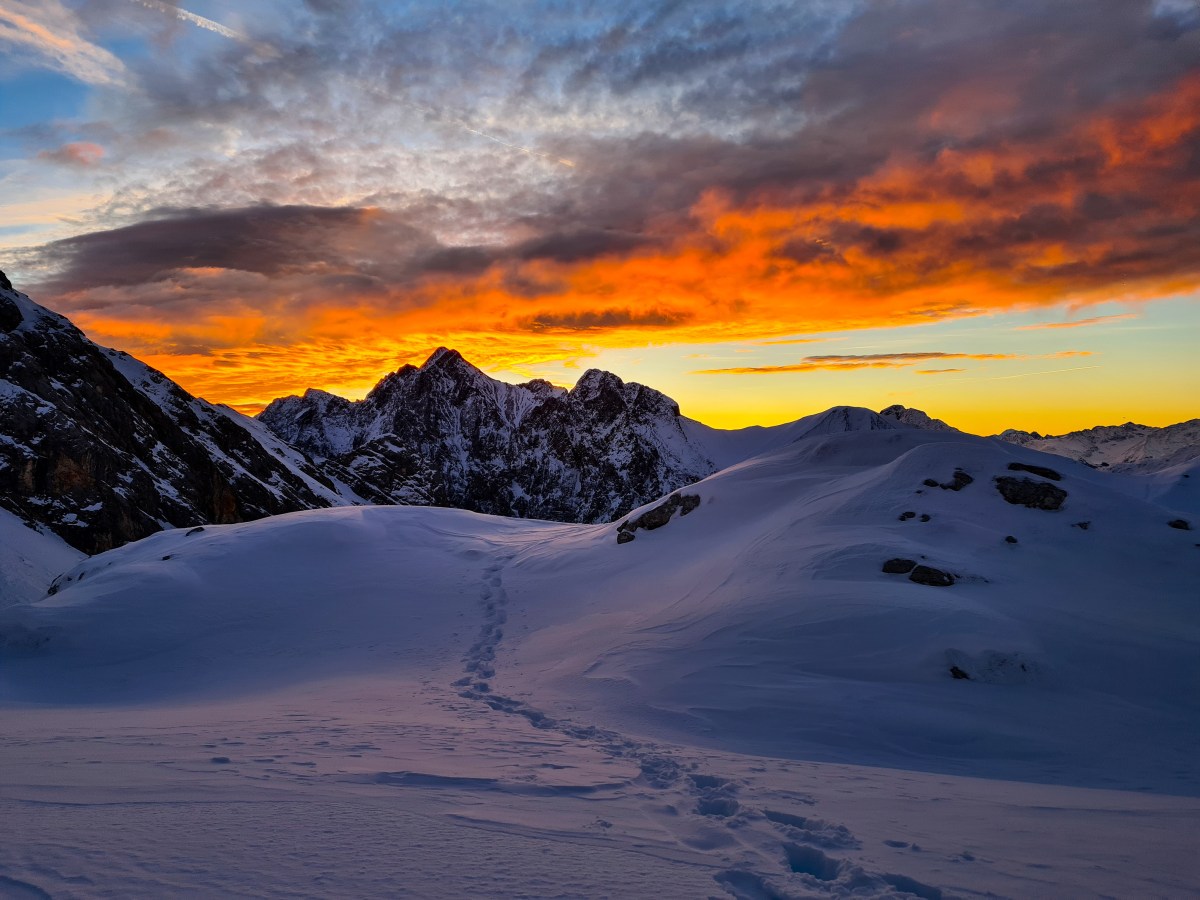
<point>737,702</point>
<point>30,560</point>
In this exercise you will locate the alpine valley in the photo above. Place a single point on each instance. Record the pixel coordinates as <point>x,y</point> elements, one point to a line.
<point>580,645</point>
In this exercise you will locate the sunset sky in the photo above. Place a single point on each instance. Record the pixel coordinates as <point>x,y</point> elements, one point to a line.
<point>989,209</point>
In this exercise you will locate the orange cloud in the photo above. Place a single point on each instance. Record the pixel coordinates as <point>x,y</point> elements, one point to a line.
<point>1078,323</point>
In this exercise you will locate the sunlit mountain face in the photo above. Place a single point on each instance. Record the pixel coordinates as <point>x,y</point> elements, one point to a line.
<point>988,209</point>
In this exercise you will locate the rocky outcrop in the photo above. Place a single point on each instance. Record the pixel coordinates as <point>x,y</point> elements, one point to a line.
<point>658,516</point>
<point>914,418</point>
<point>1027,492</point>
<point>446,434</point>
<point>102,450</point>
<point>899,566</point>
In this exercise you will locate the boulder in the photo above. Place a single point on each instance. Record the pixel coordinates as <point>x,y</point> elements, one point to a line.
<point>899,566</point>
<point>1030,493</point>
<point>931,576</point>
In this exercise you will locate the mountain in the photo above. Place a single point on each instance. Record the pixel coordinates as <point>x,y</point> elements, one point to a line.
<point>1121,448</point>
<point>446,434</point>
<point>883,662</point>
<point>100,449</point>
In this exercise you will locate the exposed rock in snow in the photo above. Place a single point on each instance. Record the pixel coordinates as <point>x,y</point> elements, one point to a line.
<point>1027,492</point>
<point>1043,471</point>
<point>931,576</point>
<point>658,516</point>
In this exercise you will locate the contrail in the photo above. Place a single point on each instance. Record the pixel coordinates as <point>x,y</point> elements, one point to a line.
<point>218,28</point>
<point>186,16</point>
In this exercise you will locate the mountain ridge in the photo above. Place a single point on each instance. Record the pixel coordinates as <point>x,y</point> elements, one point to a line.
<point>101,449</point>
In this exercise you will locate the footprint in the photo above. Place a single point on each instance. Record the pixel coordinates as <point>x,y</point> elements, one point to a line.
<point>811,861</point>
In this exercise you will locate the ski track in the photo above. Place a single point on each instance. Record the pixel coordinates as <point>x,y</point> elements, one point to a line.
<point>802,839</point>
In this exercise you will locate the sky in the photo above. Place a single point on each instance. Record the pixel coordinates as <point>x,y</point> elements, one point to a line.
<point>987,209</point>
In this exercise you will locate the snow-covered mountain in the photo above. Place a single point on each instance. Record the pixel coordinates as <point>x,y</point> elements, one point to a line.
<point>702,705</point>
<point>1121,448</point>
<point>100,449</point>
<point>446,434</point>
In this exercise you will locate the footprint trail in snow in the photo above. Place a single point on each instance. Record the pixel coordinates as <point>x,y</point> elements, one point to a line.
<point>761,848</point>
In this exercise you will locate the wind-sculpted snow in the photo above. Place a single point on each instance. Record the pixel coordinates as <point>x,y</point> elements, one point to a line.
<point>685,714</point>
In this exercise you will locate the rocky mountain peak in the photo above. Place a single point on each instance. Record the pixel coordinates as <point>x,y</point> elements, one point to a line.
<point>906,415</point>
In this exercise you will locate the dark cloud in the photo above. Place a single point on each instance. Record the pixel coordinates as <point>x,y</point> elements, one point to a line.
<point>580,245</point>
<point>268,240</point>
<point>590,320</point>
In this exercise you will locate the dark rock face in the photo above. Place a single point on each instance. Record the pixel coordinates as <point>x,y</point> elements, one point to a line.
<point>931,576</point>
<point>1181,524</point>
<point>1035,470</point>
<point>959,674</point>
<point>899,566</point>
<point>658,516</point>
<point>10,315</point>
<point>102,460</point>
<point>445,434</point>
<point>1027,492</point>
<point>5,284</point>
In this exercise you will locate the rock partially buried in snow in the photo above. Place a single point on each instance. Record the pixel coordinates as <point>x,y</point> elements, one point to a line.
<point>1035,470</point>
<point>658,516</point>
<point>1181,524</point>
<point>957,482</point>
<point>931,576</point>
<point>899,566</point>
<point>1027,492</point>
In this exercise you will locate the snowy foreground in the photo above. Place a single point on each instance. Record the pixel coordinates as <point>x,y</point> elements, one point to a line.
<point>390,701</point>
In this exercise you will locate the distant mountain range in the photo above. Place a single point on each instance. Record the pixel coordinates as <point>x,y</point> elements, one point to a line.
<point>100,449</point>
